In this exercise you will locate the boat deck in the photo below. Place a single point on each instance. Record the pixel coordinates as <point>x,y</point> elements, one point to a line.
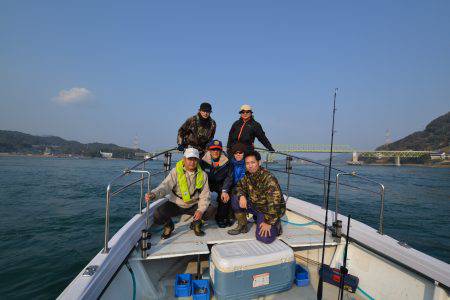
<point>298,232</point>
<point>173,266</point>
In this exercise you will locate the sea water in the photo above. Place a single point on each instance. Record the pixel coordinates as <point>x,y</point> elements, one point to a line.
<point>52,213</point>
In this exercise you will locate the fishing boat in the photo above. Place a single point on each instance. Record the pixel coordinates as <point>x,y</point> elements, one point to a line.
<point>136,264</point>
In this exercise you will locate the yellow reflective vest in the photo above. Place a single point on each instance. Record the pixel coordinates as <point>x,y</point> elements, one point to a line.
<point>182,180</point>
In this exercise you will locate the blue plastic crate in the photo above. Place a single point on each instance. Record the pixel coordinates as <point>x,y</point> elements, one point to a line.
<point>301,276</point>
<point>183,283</point>
<point>202,284</point>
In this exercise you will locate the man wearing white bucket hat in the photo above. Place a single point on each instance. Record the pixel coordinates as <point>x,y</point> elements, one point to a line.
<point>246,129</point>
<point>188,193</point>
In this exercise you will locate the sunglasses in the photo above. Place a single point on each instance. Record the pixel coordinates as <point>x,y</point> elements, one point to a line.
<point>246,111</point>
<point>238,152</point>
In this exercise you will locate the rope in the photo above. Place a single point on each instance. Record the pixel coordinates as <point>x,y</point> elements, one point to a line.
<point>133,279</point>
<point>299,224</point>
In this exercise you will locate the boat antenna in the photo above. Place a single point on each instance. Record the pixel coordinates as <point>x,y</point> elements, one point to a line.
<point>320,286</point>
<point>344,270</point>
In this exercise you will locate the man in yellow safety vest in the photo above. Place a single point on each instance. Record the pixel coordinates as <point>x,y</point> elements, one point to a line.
<point>188,193</point>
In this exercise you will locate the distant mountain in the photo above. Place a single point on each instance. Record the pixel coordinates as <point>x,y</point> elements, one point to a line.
<point>436,136</point>
<point>18,142</point>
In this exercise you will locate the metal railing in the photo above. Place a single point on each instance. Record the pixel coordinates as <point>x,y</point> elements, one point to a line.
<point>381,193</point>
<point>144,175</point>
<point>288,171</point>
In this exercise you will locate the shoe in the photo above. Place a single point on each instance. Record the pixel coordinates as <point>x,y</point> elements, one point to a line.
<point>221,223</point>
<point>167,230</point>
<point>197,227</point>
<point>241,226</point>
<point>230,222</point>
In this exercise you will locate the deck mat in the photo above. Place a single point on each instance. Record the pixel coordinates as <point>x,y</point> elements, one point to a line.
<point>184,242</point>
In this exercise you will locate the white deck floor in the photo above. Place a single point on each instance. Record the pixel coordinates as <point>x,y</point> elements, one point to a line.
<point>184,242</point>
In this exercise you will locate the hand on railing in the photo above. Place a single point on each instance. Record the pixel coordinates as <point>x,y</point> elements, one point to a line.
<point>150,197</point>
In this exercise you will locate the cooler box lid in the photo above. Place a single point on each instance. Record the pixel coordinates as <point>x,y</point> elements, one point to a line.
<point>230,257</point>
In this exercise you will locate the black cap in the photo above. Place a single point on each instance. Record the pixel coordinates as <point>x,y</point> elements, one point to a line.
<point>238,147</point>
<point>205,106</point>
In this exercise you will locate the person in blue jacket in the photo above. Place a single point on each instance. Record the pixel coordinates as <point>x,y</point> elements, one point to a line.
<point>237,154</point>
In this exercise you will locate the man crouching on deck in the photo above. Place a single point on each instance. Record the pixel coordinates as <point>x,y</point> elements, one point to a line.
<point>260,194</point>
<point>189,192</point>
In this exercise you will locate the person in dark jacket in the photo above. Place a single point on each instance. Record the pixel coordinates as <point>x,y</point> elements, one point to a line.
<point>246,129</point>
<point>220,178</point>
<point>198,130</point>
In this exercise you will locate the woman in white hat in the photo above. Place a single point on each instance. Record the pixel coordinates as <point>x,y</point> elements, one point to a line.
<point>246,129</point>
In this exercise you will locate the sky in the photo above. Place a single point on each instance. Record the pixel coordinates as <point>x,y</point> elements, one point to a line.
<point>111,71</point>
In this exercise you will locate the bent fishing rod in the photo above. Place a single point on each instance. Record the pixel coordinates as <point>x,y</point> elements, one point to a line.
<point>320,286</point>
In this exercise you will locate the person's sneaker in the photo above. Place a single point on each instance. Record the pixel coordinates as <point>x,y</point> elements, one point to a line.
<point>229,222</point>
<point>167,230</point>
<point>221,223</point>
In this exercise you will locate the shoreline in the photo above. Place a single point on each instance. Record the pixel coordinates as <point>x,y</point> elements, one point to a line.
<point>3,154</point>
<point>438,166</point>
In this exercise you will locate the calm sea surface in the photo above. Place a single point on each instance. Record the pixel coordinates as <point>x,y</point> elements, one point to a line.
<point>52,214</point>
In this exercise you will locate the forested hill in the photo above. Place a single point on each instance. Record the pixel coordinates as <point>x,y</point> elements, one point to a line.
<point>18,142</point>
<point>436,136</point>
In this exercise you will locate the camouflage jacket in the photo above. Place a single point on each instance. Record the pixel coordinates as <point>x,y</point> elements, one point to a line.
<point>196,132</point>
<point>264,193</point>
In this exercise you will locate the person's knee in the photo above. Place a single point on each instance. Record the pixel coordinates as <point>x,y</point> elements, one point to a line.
<point>266,239</point>
<point>235,204</point>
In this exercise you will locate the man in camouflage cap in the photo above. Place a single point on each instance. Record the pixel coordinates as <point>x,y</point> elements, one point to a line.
<point>198,130</point>
<point>259,194</point>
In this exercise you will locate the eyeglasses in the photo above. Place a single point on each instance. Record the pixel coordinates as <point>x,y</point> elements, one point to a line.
<point>215,149</point>
<point>238,152</point>
<point>246,111</point>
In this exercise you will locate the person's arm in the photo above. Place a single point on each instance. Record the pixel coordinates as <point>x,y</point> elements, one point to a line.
<point>166,186</point>
<point>261,135</point>
<point>213,131</point>
<point>204,197</point>
<point>242,187</point>
<point>181,138</point>
<point>276,201</point>
<point>230,141</point>
<point>228,182</point>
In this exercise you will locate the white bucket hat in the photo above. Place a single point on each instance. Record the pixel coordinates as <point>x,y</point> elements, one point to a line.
<point>245,107</point>
<point>191,152</point>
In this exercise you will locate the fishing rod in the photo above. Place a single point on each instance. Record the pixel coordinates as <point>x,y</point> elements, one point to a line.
<point>320,286</point>
<point>344,270</point>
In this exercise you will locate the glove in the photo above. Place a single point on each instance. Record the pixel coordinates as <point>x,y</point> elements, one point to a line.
<point>180,148</point>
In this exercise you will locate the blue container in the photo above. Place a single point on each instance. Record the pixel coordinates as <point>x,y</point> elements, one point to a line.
<point>200,289</point>
<point>183,283</point>
<point>301,276</point>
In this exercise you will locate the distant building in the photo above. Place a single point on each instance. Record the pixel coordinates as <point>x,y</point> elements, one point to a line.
<point>438,156</point>
<point>107,155</point>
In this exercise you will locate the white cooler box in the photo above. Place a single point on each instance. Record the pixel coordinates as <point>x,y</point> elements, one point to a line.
<point>249,269</point>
